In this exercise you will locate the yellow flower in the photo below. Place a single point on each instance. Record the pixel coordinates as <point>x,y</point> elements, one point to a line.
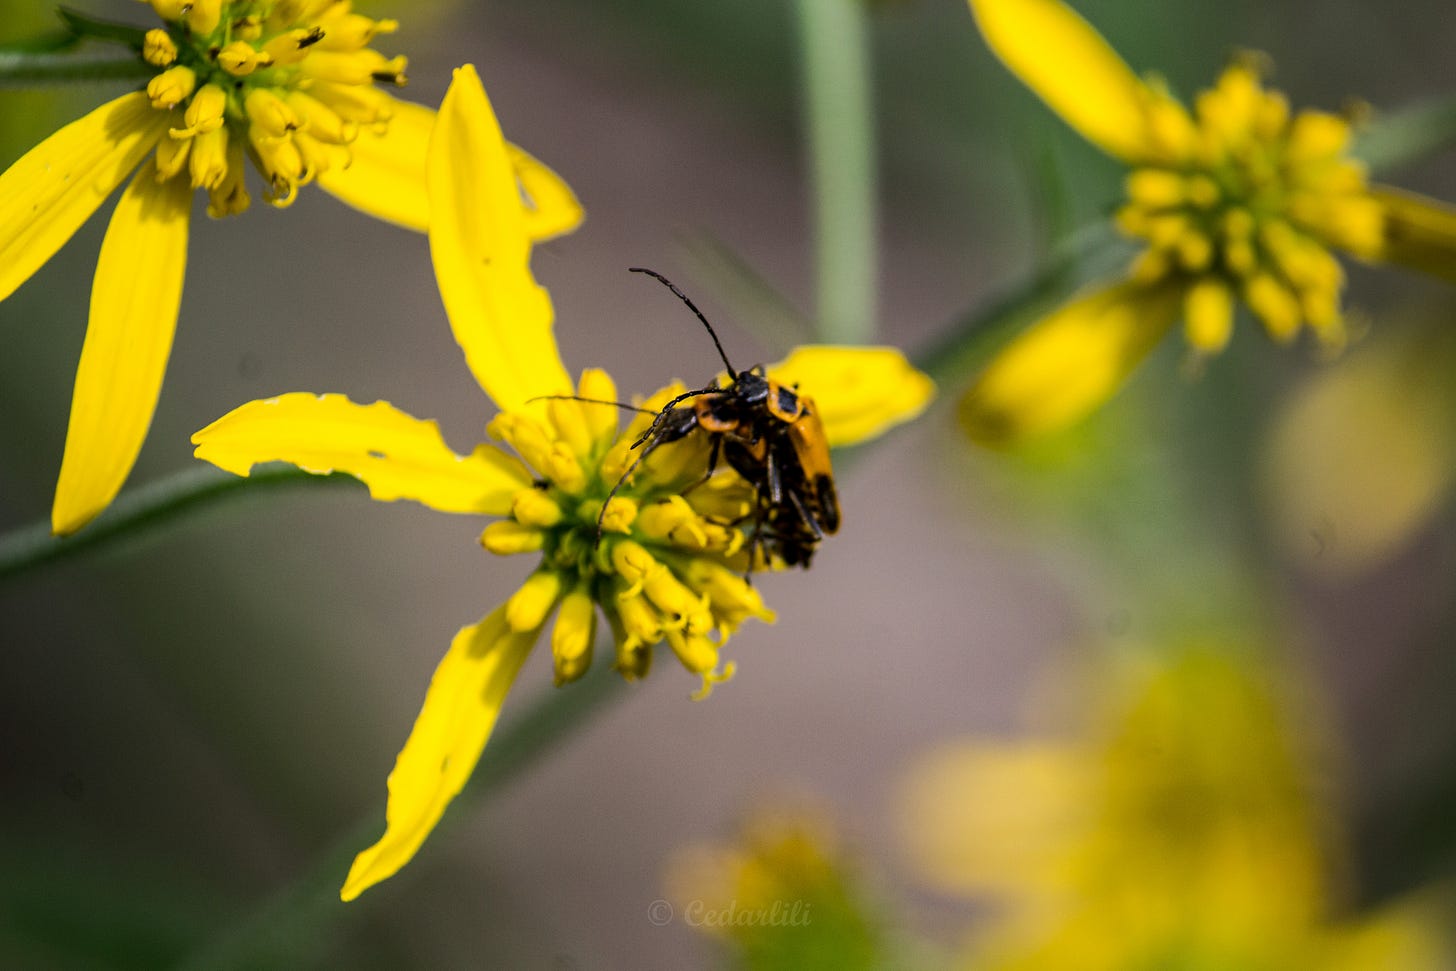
<point>784,893</point>
<point>289,84</point>
<point>1183,829</point>
<point>669,561</point>
<point>1235,200</point>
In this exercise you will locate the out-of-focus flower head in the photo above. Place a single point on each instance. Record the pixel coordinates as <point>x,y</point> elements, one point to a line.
<point>1185,827</point>
<point>784,894</point>
<point>1237,200</point>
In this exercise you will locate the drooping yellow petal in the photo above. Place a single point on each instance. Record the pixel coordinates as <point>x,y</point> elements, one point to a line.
<point>385,176</point>
<point>860,392</point>
<point>1419,232</point>
<point>397,456</point>
<point>501,317</point>
<point>134,301</point>
<point>1069,66</point>
<point>53,188</point>
<point>1068,363</point>
<point>552,208</point>
<point>459,713</point>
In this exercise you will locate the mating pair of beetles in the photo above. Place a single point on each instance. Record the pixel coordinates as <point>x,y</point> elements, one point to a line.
<point>769,434</point>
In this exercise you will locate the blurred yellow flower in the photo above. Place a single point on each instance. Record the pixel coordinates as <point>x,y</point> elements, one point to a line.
<point>1236,200</point>
<point>783,894</point>
<point>289,84</point>
<point>669,564</point>
<point>1185,829</point>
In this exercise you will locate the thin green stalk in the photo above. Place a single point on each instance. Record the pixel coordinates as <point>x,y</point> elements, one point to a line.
<point>145,509</point>
<point>966,344</point>
<point>26,68</point>
<point>296,924</point>
<point>1407,136</point>
<point>839,114</point>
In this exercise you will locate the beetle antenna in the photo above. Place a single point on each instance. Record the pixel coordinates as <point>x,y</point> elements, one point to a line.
<point>694,308</point>
<point>591,401</point>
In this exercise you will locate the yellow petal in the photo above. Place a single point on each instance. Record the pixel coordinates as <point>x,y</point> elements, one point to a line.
<point>551,207</point>
<point>460,710</point>
<point>1419,232</point>
<point>1068,363</point>
<point>1069,66</point>
<point>1363,455</point>
<point>500,316</point>
<point>861,392</point>
<point>385,176</point>
<point>53,188</point>
<point>395,455</point>
<point>134,301</point>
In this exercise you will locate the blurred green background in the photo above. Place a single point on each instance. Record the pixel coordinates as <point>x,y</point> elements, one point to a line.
<point>189,720</point>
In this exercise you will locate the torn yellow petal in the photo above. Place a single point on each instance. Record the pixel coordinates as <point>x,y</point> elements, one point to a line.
<point>1068,363</point>
<point>53,188</point>
<point>134,301</point>
<point>460,711</point>
<point>1069,66</point>
<point>397,456</point>
<point>1418,232</point>
<point>500,316</point>
<point>552,208</point>
<point>385,176</point>
<point>860,392</point>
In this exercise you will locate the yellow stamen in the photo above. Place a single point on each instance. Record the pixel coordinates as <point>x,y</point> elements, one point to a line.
<point>158,48</point>
<point>269,114</point>
<point>203,16</point>
<point>528,607</point>
<point>209,161</point>
<point>231,197</point>
<point>241,59</point>
<point>506,538</point>
<point>172,87</point>
<point>533,507</point>
<point>571,638</point>
<point>205,113</point>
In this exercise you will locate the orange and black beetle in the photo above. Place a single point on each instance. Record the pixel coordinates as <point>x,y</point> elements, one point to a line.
<point>769,434</point>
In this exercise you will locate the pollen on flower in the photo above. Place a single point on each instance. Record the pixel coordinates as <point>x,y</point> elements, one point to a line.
<point>1239,198</point>
<point>290,80</point>
<point>663,560</point>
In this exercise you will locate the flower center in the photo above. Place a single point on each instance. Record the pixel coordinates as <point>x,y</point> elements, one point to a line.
<point>663,557</point>
<point>287,82</point>
<point>1249,199</point>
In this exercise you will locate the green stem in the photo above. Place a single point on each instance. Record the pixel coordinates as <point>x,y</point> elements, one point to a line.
<point>299,916</point>
<point>839,112</point>
<point>966,344</point>
<point>145,509</point>
<point>1407,136</point>
<point>25,68</point>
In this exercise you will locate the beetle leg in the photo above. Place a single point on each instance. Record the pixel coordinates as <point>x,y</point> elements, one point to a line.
<point>641,457</point>
<point>652,429</point>
<point>808,518</point>
<point>712,463</point>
